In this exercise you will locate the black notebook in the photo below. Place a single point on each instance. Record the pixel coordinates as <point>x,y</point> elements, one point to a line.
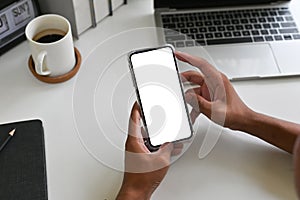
<point>22,162</point>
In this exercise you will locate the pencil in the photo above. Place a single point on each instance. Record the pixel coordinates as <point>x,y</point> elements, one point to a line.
<point>10,135</point>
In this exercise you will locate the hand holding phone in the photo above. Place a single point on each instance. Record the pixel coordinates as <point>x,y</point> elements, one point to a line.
<point>160,96</point>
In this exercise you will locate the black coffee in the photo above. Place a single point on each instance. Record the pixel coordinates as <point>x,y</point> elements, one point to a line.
<point>50,38</point>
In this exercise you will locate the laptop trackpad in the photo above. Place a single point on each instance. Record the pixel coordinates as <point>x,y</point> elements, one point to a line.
<point>241,61</point>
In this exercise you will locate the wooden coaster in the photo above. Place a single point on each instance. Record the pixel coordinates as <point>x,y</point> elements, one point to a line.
<point>60,78</point>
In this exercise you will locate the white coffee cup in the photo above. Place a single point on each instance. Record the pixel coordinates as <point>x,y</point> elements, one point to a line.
<point>51,44</point>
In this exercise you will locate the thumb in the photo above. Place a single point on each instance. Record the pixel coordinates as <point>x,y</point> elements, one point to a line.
<point>205,106</point>
<point>134,127</point>
<point>199,103</point>
<point>166,150</point>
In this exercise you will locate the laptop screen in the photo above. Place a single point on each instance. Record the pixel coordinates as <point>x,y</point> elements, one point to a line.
<point>205,3</point>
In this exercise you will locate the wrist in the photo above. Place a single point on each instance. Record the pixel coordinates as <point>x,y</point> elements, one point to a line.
<point>132,193</point>
<point>246,121</point>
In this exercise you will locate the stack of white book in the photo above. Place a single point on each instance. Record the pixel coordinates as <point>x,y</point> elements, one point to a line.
<point>82,14</point>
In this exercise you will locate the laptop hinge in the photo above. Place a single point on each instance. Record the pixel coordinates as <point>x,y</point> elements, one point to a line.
<point>174,9</point>
<point>278,2</point>
<point>165,9</point>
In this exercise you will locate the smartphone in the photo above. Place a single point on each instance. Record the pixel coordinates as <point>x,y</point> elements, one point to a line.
<point>159,92</point>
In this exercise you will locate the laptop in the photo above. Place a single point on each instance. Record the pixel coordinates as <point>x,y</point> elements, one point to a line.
<point>245,39</point>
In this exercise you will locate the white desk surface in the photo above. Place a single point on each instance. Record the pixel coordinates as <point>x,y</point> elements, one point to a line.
<point>239,167</point>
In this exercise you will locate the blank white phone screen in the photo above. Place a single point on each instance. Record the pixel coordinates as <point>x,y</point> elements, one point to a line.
<point>161,96</point>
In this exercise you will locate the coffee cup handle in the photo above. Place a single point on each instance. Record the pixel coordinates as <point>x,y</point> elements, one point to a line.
<point>40,69</point>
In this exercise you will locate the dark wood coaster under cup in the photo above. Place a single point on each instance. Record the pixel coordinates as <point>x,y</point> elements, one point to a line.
<point>60,78</point>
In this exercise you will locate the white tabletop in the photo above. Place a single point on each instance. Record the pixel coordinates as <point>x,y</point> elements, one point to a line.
<point>238,167</point>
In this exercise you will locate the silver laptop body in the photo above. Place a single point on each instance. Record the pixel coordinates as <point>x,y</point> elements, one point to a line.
<point>248,41</point>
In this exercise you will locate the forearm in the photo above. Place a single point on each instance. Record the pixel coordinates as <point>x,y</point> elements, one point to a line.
<point>278,132</point>
<point>297,165</point>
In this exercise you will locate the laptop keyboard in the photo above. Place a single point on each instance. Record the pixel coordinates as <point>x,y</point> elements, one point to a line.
<point>228,27</point>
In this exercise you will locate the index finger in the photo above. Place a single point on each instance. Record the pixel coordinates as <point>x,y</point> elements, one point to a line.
<point>207,69</point>
<point>193,77</point>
